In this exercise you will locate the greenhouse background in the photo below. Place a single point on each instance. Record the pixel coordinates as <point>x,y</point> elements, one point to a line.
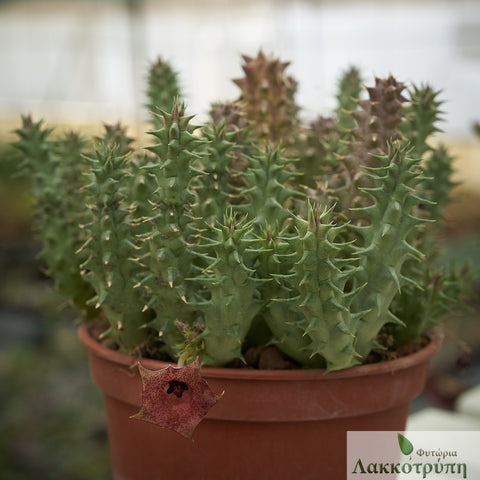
<point>85,60</point>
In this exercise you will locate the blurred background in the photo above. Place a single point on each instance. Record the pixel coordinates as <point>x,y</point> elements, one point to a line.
<point>78,63</point>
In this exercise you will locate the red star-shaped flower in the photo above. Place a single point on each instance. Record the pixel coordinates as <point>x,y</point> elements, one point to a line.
<point>175,398</point>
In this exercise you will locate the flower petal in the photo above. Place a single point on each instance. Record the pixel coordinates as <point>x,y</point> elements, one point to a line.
<point>175,398</point>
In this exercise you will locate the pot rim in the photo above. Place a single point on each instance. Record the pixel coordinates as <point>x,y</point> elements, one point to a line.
<point>424,354</point>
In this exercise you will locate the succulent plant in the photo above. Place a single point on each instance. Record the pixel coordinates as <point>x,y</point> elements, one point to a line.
<point>163,89</point>
<point>255,228</point>
<point>268,95</point>
<point>54,168</point>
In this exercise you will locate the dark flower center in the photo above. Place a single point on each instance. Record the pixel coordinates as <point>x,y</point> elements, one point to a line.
<point>177,388</point>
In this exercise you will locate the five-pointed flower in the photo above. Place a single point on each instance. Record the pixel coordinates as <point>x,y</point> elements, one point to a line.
<point>175,398</point>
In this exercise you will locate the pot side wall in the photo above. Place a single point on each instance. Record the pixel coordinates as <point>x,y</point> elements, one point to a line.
<point>268,425</point>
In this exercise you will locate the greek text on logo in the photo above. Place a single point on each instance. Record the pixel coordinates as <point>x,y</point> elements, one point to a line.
<point>412,455</point>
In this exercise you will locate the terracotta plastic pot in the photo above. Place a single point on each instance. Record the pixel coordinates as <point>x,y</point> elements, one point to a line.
<point>281,424</point>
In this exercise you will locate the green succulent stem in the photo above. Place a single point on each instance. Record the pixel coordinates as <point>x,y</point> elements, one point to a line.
<point>231,287</point>
<point>385,247</point>
<point>319,277</point>
<point>55,168</point>
<point>348,95</point>
<point>163,89</point>
<point>215,188</point>
<point>164,248</point>
<point>267,189</point>
<point>111,266</point>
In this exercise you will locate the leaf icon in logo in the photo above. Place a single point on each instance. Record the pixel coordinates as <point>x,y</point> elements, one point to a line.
<point>405,445</point>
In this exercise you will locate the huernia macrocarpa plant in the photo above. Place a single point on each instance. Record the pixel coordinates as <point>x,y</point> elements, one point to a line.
<point>255,228</point>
